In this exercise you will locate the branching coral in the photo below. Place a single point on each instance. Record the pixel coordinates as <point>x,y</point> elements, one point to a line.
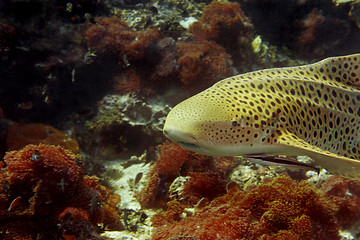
<point>45,191</point>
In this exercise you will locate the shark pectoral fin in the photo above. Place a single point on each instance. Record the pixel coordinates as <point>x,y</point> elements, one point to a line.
<point>333,163</point>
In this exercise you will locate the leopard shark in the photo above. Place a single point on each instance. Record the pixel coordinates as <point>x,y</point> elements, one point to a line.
<point>311,110</point>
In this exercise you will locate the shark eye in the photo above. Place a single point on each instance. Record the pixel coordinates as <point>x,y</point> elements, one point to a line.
<point>234,123</point>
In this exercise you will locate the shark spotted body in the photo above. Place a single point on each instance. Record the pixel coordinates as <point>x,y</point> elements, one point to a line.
<point>311,110</point>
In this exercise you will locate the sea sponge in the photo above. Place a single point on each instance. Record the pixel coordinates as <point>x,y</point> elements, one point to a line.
<point>20,135</point>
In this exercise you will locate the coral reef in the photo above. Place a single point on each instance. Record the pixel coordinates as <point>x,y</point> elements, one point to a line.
<point>199,61</point>
<point>20,135</point>
<point>277,209</point>
<point>208,176</point>
<point>107,72</point>
<point>46,192</point>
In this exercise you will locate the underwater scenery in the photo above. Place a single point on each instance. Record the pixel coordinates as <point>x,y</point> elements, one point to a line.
<point>180,120</point>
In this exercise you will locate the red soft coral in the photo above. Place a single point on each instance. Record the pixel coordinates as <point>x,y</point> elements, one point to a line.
<point>45,190</point>
<point>220,20</point>
<point>208,178</point>
<point>280,209</point>
<point>203,63</point>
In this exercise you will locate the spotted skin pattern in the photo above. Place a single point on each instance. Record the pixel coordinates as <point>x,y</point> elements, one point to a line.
<point>311,110</point>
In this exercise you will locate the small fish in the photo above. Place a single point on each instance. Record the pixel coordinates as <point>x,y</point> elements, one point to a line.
<point>6,186</point>
<point>270,160</point>
<point>16,202</point>
<point>311,110</point>
<point>94,203</point>
<point>36,156</point>
<point>62,185</point>
<point>2,163</point>
<point>126,61</point>
<point>143,216</point>
<point>73,72</point>
<point>69,7</point>
<point>89,55</point>
<point>47,100</point>
<point>138,178</point>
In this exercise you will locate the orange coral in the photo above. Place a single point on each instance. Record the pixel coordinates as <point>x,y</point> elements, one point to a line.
<point>172,157</point>
<point>20,135</point>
